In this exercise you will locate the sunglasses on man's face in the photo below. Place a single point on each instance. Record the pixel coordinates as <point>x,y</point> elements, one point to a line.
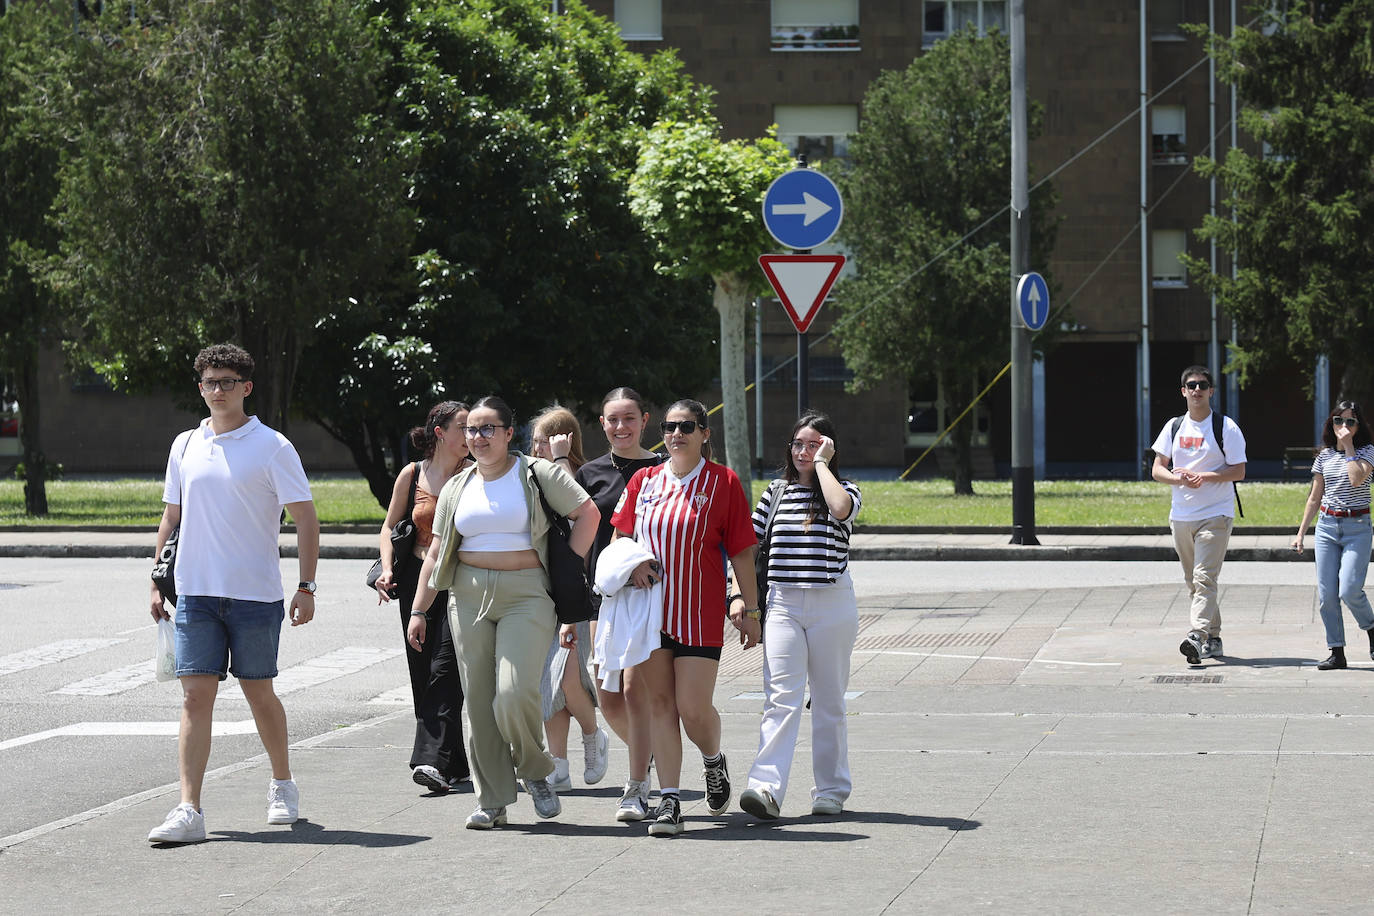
<point>1344,421</point>
<point>1197,385</point>
<point>671,426</point>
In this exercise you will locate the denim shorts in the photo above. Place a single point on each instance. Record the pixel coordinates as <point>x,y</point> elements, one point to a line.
<point>219,635</point>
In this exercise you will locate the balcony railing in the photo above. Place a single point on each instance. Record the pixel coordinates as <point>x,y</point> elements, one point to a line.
<point>815,37</point>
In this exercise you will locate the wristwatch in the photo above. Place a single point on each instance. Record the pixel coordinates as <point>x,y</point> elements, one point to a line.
<point>755,614</point>
<point>306,587</point>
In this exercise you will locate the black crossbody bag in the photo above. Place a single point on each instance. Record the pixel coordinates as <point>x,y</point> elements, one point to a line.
<point>402,540</point>
<point>165,569</point>
<point>568,584</point>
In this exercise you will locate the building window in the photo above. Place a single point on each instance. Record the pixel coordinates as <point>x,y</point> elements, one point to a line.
<point>815,25</point>
<point>1166,265</point>
<point>1166,20</point>
<point>640,20</point>
<point>1168,136</point>
<point>930,412</point>
<point>945,17</point>
<point>817,132</point>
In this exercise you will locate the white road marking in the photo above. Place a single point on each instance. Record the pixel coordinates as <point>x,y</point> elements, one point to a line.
<point>52,652</point>
<point>327,667</point>
<point>112,682</point>
<point>760,695</point>
<point>113,729</point>
<point>990,658</point>
<point>130,801</point>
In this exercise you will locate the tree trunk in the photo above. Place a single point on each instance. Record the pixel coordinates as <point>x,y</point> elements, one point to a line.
<point>30,439</point>
<point>1357,384</point>
<point>275,355</point>
<point>957,393</point>
<point>365,444</point>
<point>731,299</point>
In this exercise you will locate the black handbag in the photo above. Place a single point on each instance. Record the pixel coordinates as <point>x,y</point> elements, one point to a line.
<point>569,586</point>
<point>761,558</point>
<point>402,541</point>
<point>165,569</point>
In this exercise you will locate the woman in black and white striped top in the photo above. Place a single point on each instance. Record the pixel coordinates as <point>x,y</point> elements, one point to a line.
<point>812,621</point>
<point>1340,491</point>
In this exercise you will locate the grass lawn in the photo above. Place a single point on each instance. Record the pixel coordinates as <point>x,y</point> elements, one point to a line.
<point>137,502</point>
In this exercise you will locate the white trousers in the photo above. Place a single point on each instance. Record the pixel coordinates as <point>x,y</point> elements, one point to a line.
<point>809,633</point>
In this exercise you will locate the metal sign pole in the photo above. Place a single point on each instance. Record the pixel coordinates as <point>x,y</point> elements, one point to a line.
<point>1022,417</point>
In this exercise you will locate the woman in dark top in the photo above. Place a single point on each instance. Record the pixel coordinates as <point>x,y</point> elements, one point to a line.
<point>624,416</point>
<point>437,759</point>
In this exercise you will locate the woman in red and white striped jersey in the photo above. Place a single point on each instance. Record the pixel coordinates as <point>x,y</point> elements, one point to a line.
<point>690,513</point>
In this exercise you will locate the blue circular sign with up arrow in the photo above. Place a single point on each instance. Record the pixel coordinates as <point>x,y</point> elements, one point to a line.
<point>1033,297</point>
<point>802,209</point>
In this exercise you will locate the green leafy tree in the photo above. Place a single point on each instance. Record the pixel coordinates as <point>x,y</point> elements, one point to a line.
<point>929,163</point>
<point>29,157</point>
<point>235,177</point>
<point>529,276</point>
<point>700,198</point>
<point>1302,194</point>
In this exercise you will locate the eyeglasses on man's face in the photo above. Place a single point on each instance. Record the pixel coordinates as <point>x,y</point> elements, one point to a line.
<point>671,426</point>
<point>1197,384</point>
<point>1344,421</point>
<point>220,384</point>
<point>486,430</point>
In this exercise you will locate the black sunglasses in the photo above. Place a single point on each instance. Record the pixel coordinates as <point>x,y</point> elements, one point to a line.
<point>687,426</point>
<point>1344,421</point>
<point>1198,385</point>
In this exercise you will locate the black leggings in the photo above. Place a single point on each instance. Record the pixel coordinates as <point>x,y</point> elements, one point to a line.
<point>434,683</point>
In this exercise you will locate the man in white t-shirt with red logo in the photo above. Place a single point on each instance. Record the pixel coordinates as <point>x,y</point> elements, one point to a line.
<point>227,482</point>
<point>1202,472</point>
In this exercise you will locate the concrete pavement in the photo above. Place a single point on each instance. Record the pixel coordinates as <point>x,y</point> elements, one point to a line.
<point>1014,749</point>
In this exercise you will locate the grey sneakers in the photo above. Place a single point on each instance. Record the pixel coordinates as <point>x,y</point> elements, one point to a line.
<point>1192,648</point>
<point>184,824</point>
<point>1212,649</point>
<point>546,803</point>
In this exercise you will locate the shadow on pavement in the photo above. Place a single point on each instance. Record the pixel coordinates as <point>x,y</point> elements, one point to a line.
<point>304,831</point>
<point>1227,660</point>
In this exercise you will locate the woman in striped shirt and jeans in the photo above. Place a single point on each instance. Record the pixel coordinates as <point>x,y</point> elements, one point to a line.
<point>811,624</point>
<point>1340,489</point>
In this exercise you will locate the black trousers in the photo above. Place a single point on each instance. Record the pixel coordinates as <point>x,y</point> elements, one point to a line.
<point>435,684</point>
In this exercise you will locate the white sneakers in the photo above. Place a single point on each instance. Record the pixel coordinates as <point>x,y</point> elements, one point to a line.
<point>184,824</point>
<point>560,778</point>
<point>826,807</point>
<point>634,804</point>
<point>759,802</point>
<point>595,750</point>
<point>283,801</point>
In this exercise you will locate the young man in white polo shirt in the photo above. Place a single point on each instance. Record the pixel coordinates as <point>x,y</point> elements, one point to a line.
<point>227,481</point>
<point>1202,472</point>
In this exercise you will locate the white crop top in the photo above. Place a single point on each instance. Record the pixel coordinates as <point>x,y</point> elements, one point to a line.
<point>491,515</point>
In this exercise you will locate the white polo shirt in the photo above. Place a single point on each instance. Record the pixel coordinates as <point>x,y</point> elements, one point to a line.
<point>231,489</point>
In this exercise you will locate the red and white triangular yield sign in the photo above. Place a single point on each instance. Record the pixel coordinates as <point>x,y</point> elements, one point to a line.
<point>802,281</point>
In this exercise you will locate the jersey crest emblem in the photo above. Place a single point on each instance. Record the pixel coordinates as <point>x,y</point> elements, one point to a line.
<point>700,500</point>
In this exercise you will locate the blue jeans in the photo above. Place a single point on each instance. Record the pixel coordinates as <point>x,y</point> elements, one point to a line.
<point>1342,548</point>
<point>219,635</point>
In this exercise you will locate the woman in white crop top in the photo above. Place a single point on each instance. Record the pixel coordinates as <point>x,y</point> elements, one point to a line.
<point>490,554</point>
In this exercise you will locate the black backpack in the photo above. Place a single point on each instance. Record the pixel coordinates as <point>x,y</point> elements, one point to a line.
<point>1218,422</point>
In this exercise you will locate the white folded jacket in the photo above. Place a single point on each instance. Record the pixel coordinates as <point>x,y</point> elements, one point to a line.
<point>631,619</point>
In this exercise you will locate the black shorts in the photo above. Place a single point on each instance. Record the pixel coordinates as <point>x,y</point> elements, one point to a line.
<point>681,651</point>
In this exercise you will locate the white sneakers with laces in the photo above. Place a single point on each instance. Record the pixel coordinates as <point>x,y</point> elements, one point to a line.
<point>283,801</point>
<point>184,824</point>
<point>634,804</point>
<point>596,755</point>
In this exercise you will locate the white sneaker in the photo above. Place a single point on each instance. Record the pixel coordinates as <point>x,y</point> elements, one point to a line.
<point>634,804</point>
<point>826,807</point>
<point>184,824</point>
<point>486,818</point>
<point>759,802</point>
<point>596,755</point>
<point>561,778</point>
<point>283,801</point>
<point>546,803</point>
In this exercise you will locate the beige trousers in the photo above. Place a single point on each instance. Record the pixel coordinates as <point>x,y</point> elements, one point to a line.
<point>503,623</point>
<point>1201,547</point>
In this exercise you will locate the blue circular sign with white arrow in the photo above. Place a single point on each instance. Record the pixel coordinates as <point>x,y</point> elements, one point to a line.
<point>1033,298</point>
<point>802,209</point>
